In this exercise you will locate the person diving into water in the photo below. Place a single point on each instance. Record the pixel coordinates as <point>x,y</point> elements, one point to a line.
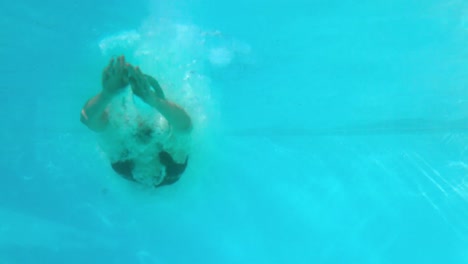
<point>151,149</point>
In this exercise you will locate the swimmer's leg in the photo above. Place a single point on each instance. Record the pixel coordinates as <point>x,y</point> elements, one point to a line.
<point>157,88</point>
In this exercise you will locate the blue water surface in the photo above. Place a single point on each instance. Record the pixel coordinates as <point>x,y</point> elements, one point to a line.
<point>325,132</point>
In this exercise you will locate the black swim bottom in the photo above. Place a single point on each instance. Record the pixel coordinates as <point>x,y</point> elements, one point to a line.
<point>173,169</point>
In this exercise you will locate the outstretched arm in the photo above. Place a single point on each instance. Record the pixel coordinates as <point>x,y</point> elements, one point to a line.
<point>174,114</point>
<point>114,79</point>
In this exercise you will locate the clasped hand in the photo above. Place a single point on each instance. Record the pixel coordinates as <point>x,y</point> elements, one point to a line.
<point>118,74</point>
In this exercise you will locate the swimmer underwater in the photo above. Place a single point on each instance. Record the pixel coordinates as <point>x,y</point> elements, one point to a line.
<point>148,149</point>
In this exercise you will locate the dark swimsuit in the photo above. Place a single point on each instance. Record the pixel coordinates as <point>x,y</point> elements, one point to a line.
<point>173,169</point>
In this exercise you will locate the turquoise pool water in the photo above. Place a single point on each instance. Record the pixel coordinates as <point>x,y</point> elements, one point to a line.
<point>325,132</point>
